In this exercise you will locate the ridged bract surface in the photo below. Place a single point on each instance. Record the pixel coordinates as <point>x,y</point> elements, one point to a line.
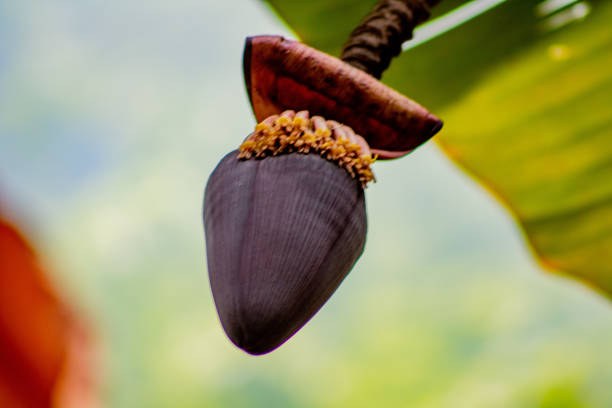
<point>281,235</point>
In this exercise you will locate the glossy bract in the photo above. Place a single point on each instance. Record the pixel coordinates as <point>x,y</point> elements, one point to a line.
<point>283,74</point>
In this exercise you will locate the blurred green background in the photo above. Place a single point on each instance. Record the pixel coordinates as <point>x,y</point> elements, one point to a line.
<point>112,116</point>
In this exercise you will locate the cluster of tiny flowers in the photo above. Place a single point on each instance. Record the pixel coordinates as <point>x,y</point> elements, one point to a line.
<point>281,134</point>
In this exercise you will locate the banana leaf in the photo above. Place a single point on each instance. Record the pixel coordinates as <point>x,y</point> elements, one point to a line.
<point>525,90</point>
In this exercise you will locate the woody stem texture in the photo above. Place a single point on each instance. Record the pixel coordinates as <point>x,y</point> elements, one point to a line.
<point>379,37</point>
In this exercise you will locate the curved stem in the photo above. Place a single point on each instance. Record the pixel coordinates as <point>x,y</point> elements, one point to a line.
<point>380,36</point>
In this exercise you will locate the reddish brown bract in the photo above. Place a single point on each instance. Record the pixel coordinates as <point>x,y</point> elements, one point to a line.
<point>282,74</point>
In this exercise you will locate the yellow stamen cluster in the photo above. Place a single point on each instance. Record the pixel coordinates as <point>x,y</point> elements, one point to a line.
<point>278,135</point>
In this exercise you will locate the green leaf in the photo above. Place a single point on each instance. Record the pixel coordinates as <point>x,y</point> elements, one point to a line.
<point>527,109</point>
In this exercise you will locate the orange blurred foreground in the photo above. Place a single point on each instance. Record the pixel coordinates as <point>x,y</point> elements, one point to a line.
<point>45,356</point>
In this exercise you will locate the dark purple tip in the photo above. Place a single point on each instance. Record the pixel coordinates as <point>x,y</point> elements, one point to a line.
<point>436,127</point>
